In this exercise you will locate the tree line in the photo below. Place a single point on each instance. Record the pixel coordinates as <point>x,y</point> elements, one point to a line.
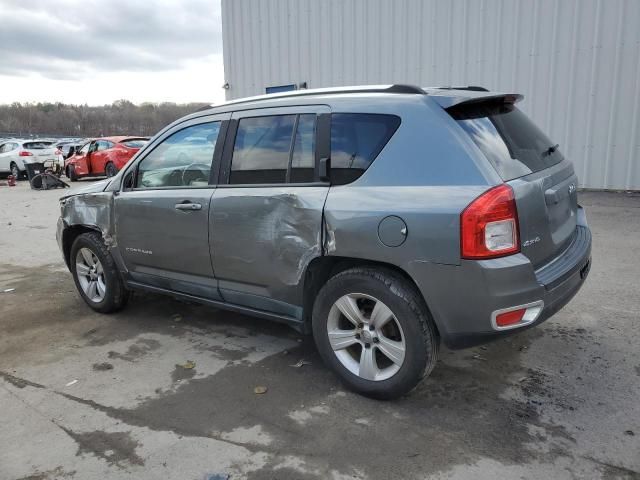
<point>120,118</point>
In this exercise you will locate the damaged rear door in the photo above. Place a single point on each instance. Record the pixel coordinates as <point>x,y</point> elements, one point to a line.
<point>266,215</point>
<point>162,213</point>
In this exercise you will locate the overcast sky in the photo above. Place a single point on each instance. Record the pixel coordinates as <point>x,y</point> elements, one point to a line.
<point>98,51</point>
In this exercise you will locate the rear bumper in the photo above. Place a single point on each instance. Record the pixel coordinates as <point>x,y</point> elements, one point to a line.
<point>463,298</point>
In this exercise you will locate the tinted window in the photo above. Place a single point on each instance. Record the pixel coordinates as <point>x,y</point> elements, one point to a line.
<point>356,141</point>
<point>303,158</point>
<point>182,159</point>
<point>261,150</point>
<point>510,141</point>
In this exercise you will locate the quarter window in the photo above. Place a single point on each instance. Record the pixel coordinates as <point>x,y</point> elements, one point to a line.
<point>356,141</point>
<point>181,160</point>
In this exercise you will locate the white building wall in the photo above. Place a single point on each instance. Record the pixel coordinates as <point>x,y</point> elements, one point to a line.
<point>576,61</point>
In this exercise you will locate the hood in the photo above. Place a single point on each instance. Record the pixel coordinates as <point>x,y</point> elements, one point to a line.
<point>95,187</point>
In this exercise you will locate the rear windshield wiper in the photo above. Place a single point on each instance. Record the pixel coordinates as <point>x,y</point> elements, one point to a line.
<point>550,150</point>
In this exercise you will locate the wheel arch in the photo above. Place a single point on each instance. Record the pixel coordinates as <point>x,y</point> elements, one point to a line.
<point>322,268</point>
<point>69,236</point>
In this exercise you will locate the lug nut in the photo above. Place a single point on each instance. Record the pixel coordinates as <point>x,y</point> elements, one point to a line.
<point>367,345</point>
<point>371,327</point>
<point>376,340</point>
<point>357,336</point>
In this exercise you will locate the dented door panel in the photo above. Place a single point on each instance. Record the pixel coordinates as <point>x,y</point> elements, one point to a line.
<point>262,239</point>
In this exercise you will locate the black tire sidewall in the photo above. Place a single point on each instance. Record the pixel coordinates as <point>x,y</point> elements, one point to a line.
<point>417,353</point>
<point>110,168</point>
<point>113,298</point>
<point>72,173</point>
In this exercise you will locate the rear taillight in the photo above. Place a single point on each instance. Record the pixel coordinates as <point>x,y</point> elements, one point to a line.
<point>489,225</point>
<point>24,153</point>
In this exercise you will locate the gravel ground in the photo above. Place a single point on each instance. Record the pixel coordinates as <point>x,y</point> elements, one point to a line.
<point>90,396</point>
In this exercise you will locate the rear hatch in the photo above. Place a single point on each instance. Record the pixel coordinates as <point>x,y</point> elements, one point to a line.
<point>543,181</point>
<point>40,150</point>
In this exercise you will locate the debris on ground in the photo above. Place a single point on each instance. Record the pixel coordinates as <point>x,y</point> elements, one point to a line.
<point>631,433</point>
<point>176,317</point>
<point>101,367</point>
<point>216,476</point>
<point>259,390</point>
<point>301,363</point>
<point>8,290</point>
<point>189,365</point>
<point>72,382</point>
<point>478,357</point>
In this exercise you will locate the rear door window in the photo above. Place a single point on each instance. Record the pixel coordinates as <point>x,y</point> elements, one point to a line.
<point>356,141</point>
<point>511,142</point>
<point>262,148</point>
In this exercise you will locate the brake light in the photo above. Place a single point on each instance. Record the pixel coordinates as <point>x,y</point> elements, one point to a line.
<point>489,225</point>
<point>24,153</point>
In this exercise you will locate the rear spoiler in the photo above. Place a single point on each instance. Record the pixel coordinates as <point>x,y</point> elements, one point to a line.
<point>449,101</point>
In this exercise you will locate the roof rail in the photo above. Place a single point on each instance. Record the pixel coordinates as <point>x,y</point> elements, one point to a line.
<point>396,88</point>
<point>473,88</point>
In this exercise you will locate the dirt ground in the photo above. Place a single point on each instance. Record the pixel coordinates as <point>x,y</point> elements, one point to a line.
<point>90,396</point>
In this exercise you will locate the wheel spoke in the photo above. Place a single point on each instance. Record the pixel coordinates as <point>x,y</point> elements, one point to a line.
<point>102,288</point>
<point>91,291</point>
<point>340,339</point>
<point>88,256</point>
<point>391,349</point>
<point>98,268</point>
<point>380,315</point>
<point>349,308</point>
<point>368,367</point>
<point>82,269</point>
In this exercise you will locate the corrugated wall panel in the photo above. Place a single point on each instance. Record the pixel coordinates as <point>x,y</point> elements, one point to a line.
<point>576,61</point>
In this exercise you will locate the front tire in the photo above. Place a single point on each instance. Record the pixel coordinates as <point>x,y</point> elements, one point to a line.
<point>372,327</point>
<point>96,275</point>
<point>71,173</point>
<point>15,171</point>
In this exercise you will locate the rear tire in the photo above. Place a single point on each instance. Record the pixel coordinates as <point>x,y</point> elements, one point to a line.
<point>71,173</point>
<point>385,362</point>
<point>96,275</point>
<point>110,170</point>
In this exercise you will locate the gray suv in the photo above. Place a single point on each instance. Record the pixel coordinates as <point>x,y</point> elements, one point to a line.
<point>383,220</point>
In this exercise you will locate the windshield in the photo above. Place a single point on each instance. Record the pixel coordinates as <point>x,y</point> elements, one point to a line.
<point>513,144</point>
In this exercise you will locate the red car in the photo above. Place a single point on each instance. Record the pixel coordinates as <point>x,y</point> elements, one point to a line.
<point>102,156</point>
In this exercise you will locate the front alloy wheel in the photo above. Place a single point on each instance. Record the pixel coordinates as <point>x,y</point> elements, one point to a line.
<point>90,275</point>
<point>366,337</point>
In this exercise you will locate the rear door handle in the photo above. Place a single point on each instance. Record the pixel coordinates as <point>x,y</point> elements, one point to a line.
<point>188,206</point>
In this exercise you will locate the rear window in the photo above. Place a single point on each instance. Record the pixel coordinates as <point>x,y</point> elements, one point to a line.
<point>135,142</point>
<point>356,141</point>
<point>37,145</point>
<point>513,144</point>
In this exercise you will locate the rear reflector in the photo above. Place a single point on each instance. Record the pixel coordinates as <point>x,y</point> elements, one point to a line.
<point>510,318</point>
<point>24,153</point>
<point>517,316</point>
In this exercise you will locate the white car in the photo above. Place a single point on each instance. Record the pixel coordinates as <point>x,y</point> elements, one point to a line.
<point>15,153</point>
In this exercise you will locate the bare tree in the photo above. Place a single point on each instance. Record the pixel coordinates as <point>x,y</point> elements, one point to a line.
<point>120,118</point>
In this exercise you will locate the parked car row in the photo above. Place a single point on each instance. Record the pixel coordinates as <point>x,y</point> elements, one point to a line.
<point>75,157</point>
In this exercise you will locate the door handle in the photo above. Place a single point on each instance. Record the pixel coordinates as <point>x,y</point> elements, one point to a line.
<point>188,206</point>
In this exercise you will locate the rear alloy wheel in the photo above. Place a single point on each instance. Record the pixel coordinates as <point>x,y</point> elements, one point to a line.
<point>110,170</point>
<point>366,337</point>
<point>372,327</point>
